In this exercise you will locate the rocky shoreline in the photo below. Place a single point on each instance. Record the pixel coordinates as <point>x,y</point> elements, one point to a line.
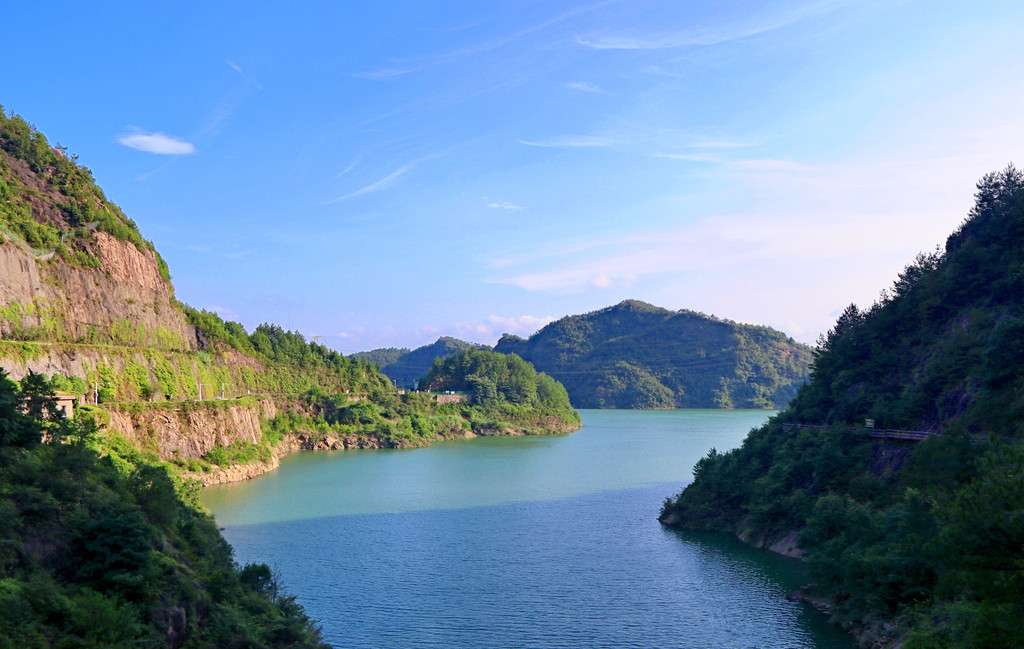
<point>328,442</point>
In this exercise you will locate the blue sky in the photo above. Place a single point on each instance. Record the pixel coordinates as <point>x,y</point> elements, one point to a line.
<point>381,174</point>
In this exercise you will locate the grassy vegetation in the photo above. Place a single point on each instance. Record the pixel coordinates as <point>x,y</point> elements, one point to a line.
<point>928,536</point>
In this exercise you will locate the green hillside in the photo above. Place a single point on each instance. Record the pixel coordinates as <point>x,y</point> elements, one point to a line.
<point>922,542</point>
<point>635,355</point>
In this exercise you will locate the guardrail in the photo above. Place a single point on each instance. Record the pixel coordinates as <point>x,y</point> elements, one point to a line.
<point>877,433</point>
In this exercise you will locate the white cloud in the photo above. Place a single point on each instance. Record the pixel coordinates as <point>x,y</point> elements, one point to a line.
<point>351,166</point>
<point>524,325</point>
<point>773,165</point>
<point>383,183</point>
<point>159,143</point>
<point>722,144</point>
<point>584,86</point>
<point>494,326</point>
<point>504,205</point>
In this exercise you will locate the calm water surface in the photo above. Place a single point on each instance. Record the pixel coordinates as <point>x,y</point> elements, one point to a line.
<point>530,542</point>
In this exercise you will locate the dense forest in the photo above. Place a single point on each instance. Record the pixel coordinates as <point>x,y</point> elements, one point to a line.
<point>921,542</point>
<point>635,355</point>
<point>503,385</point>
<point>318,365</point>
<point>101,551</point>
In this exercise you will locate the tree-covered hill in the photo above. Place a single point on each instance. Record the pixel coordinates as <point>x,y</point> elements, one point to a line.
<point>635,355</point>
<point>503,387</point>
<point>406,367</point>
<point>383,356</point>
<point>925,537</point>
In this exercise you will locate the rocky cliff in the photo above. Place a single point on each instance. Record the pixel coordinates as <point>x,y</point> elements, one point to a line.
<point>191,432</point>
<point>123,301</point>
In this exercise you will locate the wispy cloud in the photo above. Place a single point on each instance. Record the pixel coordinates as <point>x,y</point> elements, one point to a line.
<point>377,186</point>
<point>703,36</point>
<point>723,144</point>
<point>237,68</point>
<point>383,183</point>
<point>691,157</point>
<point>522,325</point>
<point>350,167</point>
<point>584,86</point>
<point>159,143</point>
<point>571,141</point>
<point>769,164</point>
<point>420,63</point>
<point>814,225</point>
<point>456,28</point>
<point>387,73</point>
<point>504,205</point>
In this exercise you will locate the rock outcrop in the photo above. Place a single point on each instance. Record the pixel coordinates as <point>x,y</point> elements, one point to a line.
<point>191,432</point>
<point>124,300</point>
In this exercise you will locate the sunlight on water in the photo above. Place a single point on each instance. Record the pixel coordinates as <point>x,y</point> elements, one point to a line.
<point>615,449</point>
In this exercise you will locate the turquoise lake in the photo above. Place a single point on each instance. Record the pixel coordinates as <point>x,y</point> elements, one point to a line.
<point>530,542</point>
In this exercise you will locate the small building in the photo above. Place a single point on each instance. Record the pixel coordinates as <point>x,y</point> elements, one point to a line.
<point>65,403</point>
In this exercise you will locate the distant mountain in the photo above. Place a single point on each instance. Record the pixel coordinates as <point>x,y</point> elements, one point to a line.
<point>636,355</point>
<point>406,367</point>
<point>383,356</point>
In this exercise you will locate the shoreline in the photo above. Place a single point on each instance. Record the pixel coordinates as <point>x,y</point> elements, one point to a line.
<point>334,442</point>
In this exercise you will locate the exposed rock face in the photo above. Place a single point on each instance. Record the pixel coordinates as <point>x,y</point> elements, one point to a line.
<point>55,359</point>
<point>125,297</point>
<point>191,433</point>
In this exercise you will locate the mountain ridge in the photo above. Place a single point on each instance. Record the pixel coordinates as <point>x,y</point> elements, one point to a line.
<point>637,355</point>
